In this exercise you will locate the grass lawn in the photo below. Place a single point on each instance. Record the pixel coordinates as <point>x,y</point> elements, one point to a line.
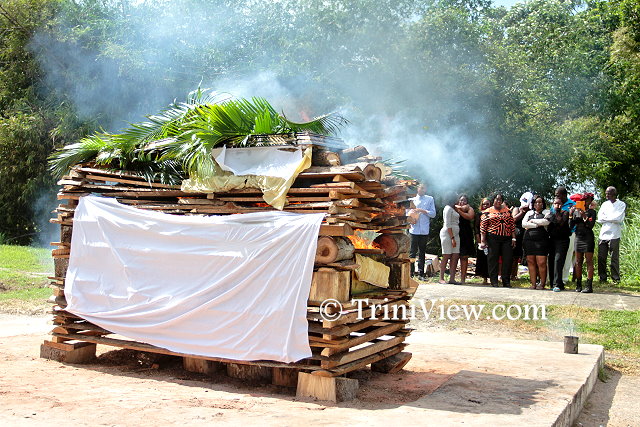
<point>23,278</point>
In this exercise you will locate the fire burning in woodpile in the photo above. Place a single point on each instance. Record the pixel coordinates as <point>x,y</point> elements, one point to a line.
<point>362,243</point>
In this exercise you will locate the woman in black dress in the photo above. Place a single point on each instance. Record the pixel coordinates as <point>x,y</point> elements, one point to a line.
<point>467,248</point>
<point>536,242</point>
<point>482,268</point>
<point>559,234</point>
<point>583,220</point>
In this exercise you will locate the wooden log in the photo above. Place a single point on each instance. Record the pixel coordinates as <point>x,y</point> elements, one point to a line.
<point>392,364</point>
<point>372,172</point>
<point>249,372</point>
<point>328,283</point>
<point>333,249</point>
<point>349,155</point>
<point>285,377</point>
<point>393,244</point>
<point>400,275</point>
<point>332,389</point>
<point>81,352</point>
<point>325,158</point>
<point>201,366</point>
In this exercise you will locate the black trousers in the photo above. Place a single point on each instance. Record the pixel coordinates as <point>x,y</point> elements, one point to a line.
<point>418,250</point>
<point>557,255</point>
<point>499,246</point>
<point>605,247</point>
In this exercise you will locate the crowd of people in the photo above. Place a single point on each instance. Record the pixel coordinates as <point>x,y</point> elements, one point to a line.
<point>501,236</point>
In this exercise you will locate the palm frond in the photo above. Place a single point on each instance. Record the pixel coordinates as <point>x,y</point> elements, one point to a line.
<point>167,122</point>
<point>328,124</point>
<point>177,142</point>
<point>87,149</point>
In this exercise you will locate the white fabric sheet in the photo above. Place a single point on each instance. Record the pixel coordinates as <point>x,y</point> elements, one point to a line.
<point>233,287</point>
<point>261,161</point>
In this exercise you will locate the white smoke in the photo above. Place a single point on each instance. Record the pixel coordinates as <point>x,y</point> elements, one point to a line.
<point>407,115</point>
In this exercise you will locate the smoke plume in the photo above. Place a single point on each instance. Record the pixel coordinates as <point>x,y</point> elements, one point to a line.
<point>305,58</point>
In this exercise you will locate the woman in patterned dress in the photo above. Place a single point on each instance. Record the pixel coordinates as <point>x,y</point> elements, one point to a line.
<point>498,233</point>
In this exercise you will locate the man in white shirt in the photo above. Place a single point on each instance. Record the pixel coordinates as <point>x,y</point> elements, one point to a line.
<point>419,232</point>
<point>611,216</point>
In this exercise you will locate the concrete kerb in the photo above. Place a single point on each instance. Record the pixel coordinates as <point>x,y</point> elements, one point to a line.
<point>475,292</point>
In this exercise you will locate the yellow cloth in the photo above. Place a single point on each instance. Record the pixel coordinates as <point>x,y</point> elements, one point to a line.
<point>372,272</point>
<point>274,189</point>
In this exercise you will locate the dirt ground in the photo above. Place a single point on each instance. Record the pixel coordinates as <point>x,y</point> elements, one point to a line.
<point>148,390</point>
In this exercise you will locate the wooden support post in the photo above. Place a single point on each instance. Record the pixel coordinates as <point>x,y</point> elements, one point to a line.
<point>285,377</point>
<point>400,275</point>
<point>262,374</point>
<point>68,352</point>
<point>201,366</point>
<point>333,389</point>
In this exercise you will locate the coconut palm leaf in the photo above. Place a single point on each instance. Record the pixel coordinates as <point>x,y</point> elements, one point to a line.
<point>167,122</point>
<point>328,124</point>
<point>87,149</point>
<point>178,141</point>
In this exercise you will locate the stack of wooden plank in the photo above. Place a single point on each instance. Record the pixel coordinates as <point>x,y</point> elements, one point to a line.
<point>355,193</point>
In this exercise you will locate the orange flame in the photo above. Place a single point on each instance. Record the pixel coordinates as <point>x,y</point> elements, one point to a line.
<point>393,209</point>
<point>360,243</point>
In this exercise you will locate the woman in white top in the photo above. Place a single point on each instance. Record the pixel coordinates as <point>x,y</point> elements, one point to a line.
<point>450,241</point>
<point>536,242</point>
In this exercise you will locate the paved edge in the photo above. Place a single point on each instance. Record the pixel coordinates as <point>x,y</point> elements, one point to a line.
<point>573,409</point>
